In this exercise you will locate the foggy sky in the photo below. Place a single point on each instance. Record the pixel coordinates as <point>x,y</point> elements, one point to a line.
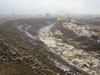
<point>34,7</point>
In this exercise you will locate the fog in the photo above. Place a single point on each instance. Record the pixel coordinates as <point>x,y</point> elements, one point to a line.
<point>34,7</point>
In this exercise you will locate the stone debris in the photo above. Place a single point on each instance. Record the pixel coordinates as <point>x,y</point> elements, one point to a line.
<point>57,32</point>
<point>76,57</point>
<point>79,30</point>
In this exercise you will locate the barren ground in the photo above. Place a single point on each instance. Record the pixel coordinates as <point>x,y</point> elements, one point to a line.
<point>31,47</point>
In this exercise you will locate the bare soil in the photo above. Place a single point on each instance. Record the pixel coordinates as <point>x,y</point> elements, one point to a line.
<point>21,55</point>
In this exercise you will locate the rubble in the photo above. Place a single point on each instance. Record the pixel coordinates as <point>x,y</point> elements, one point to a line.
<point>79,30</point>
<point>61,57</point>
<point>57,32</point>
<point>76,57</point>
<point>22,48</point>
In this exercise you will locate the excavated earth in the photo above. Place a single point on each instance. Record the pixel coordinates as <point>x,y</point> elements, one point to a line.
<point>85,44</point>
<point>42,46</point>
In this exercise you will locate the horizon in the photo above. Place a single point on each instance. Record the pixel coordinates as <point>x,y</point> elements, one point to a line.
<point>54,7</point>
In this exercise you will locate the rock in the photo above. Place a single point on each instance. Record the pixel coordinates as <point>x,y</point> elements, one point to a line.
<point>79,30</point>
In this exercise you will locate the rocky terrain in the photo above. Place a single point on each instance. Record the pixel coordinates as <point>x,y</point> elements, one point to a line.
<point>43,46</point>
<point>80,43</point>
<point>23,52</point>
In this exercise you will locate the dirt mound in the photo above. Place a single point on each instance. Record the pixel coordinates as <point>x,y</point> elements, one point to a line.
<point>22,48</point>
<point>83,44</point>
<point>81,38</point>
<point>34,53</point>
<point>19,63</point>
<point>94,47</point>
<point>16,68</point>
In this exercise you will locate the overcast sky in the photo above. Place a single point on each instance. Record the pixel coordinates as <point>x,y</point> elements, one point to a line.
<point>51,6</point>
